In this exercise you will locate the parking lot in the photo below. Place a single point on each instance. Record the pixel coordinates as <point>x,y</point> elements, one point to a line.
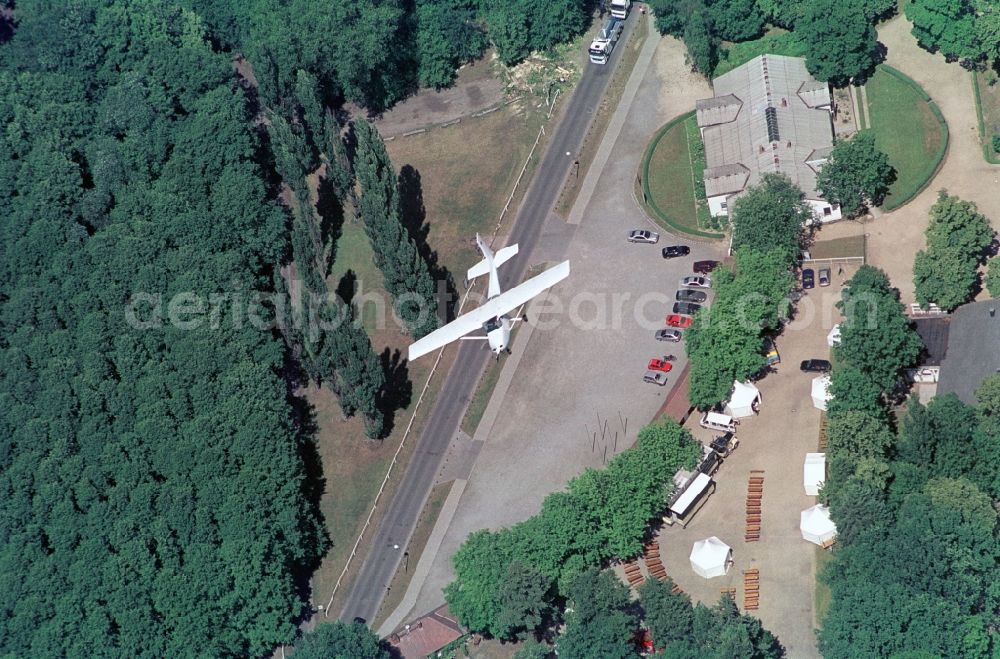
<point>582,371</point>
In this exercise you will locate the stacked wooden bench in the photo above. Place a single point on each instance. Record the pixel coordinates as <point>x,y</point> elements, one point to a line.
<point>633,574</point>
<point>651,553</point>
<point>751,589</point>
<point>728,591</point>
<point>755,491</point>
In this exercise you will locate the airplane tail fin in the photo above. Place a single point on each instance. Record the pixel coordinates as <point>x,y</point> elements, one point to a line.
<point>498,259</point>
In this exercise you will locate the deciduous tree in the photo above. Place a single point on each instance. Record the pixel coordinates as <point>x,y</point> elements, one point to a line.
<point>957,239</point>
<point>341,640</point>
<point>843,45</point>
<point>857,174</point>
<point>600,624</point>
<point>770,216</point>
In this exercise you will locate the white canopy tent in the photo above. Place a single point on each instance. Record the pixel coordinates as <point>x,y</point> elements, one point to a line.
<point>710,557</point>
<point>744,400</point>
<point>816,525</point>
<point>833,338</point>
<point>814,472</point>
<point>821,392</point>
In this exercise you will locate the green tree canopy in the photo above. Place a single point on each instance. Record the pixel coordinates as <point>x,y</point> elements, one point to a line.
<point>600,624</point>
<point>856,174</point>
<point>341,640</point>
<point>843,45</point>
<point>770,217</point>
<point>946,25</point>
<point>958,237</point>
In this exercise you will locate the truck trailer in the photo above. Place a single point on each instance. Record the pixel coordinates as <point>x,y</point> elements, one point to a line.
<point>602,45</point>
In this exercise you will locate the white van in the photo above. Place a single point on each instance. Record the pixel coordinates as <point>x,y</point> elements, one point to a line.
<point>718,422</point>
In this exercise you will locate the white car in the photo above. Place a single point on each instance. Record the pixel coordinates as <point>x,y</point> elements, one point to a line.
<point>643,236</point>
<point>696,282</point>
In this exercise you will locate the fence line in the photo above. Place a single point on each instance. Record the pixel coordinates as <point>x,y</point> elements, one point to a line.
<point>430,376</point>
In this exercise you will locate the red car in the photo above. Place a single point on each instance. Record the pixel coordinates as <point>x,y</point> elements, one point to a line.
<point>677,320</point>
<point>659,365</point>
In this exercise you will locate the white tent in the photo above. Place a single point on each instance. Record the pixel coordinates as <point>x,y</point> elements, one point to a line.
<point>744,400</point>
<point>814,472</point>
<point>710,557</point>
<point>816,525</point>
<point>833,338</point>
<point>821,392</point>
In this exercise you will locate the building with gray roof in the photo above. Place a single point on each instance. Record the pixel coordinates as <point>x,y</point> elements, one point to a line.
<point>768,115</point>
<point>973,352</point>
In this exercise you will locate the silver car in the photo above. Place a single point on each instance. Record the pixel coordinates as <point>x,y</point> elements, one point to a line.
<point>643,236</point>
<point>696,282</point>
<point>669,334</point>
<point>655,377</point>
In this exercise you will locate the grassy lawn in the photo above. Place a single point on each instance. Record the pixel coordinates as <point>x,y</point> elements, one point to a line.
<point>988,106</point>
<point>777,42</point>
<point>908,129</point>
<point>838,248</point>
<point>823,595</point>
<point>466,173</point>
<point>673,173</point>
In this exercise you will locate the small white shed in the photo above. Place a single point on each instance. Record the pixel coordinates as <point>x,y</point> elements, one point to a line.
<point>821,392</point>
<point>833,338</point>
<point>817,527</point>
<point>744,401</point>
<point>814,473</point>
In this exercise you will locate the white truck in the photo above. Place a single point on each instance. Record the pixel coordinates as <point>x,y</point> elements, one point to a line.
<point>602,45</point>
<point>619,8</point>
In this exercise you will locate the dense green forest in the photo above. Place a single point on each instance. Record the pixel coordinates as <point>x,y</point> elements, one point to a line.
<point>914,494</point>
<point>158,479</point>
<point>155,500</point>
<point>376,53</point>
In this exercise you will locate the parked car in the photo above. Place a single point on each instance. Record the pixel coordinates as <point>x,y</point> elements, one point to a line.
<point>704,267</point>
<point>673,251</point>
<point>696,282</point>
<point>771,352</point>
<point>643,236</point>
<point>808,280</point>
<point>725,444</point>
<point>815,366</point>
<point>659,365</point>
<point>675,320</point>
<point>824,277</point>
<point>686,308</point>
<point>655,377</point>
<point>673,335</point>
<point>687,295</point>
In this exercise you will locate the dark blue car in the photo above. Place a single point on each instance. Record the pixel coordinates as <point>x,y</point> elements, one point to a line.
<point>808,278</point>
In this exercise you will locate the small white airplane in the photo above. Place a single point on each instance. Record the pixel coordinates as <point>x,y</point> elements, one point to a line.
<point>492,316</point>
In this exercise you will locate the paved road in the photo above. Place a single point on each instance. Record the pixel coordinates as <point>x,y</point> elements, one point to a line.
<point>397,526</point>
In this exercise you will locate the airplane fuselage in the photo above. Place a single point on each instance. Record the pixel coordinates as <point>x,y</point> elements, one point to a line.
<point>498,333</point>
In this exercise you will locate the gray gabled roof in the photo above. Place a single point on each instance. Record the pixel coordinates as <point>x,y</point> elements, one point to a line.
<point>779,125</point>
<point>717,110</point>
<point>725,179</point>
<point>973,349</point>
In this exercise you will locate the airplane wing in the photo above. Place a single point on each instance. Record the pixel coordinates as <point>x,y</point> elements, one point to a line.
<point>497,306</point>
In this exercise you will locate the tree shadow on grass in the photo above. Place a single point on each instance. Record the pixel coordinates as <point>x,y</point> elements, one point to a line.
<point>397,392</point>
<point>413,216</point>
<point>330,209</point>
<point>347,287</point>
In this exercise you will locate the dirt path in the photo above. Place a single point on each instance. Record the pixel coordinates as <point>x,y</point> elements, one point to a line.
<point>476,89</point>
<point>895,238</point>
